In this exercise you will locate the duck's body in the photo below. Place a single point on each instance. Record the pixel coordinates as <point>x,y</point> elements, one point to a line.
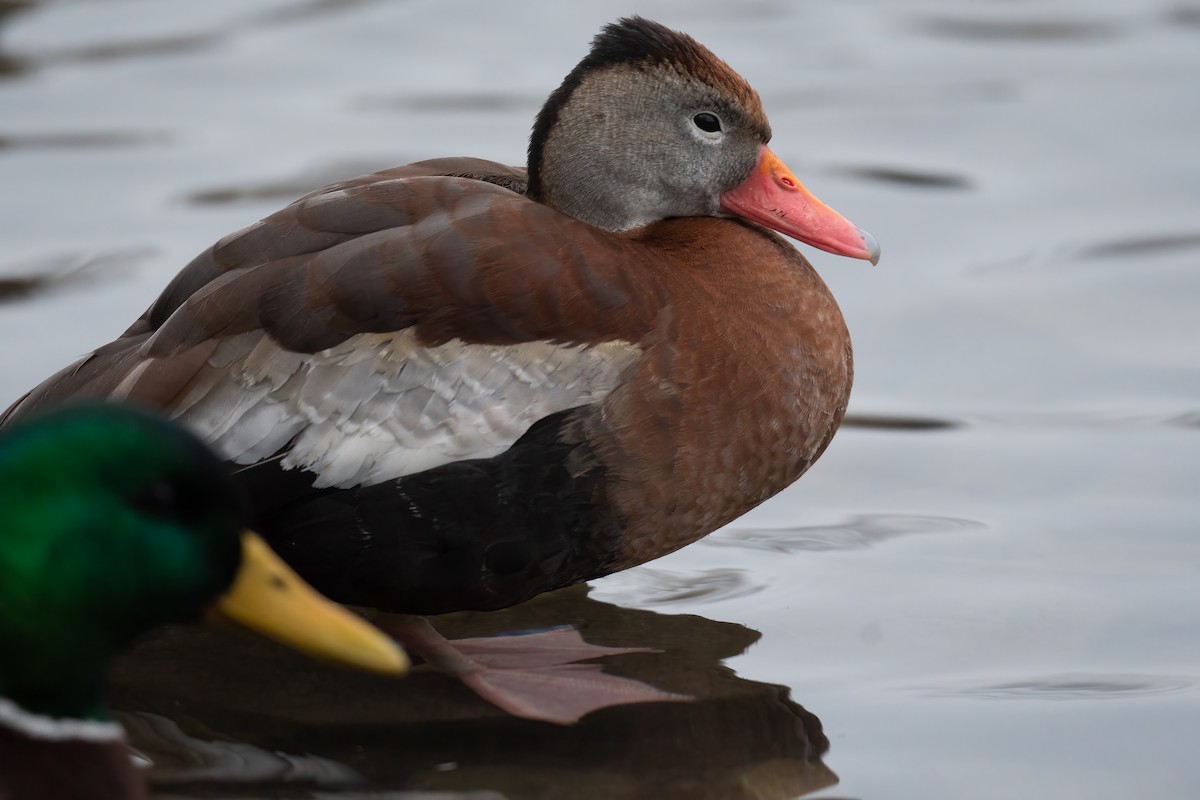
<point>453,386</point>
<point>662,411</point>
<point>661,445</point>
<point>113,522</point>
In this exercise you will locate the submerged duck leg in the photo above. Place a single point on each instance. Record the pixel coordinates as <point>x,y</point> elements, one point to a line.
<point>532,675</point>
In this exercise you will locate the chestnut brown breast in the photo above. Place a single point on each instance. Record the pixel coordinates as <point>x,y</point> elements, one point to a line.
<point>741,388</point>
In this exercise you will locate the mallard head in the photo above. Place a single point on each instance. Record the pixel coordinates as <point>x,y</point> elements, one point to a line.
<point>113,521</point>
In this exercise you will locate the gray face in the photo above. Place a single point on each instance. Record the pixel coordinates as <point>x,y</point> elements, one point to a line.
<point>632,146</point>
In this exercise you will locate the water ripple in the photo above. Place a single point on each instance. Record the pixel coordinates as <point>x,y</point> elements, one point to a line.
<point>305,10</point>
<point>81,139</point>
<point>1077,256</point>
<point>1077,686</point>
<point>28,279</point>
<point>955,93</point>
<point>649,586</point>
<point>1186,16</point>
<point>896,422</point>
<point>1028,420</point>
<point>1190,419</point>
<point>285,190</point>
<point>132,48</point>
<point>1152,244</point>
<point>453,101</point>
<point>909,177</point>
<point>1017,30</point>
<point>856,533</point>
<point>10,65</point>
<point>175,757</point>
<point>1085,419</point>
<point>200,40</point>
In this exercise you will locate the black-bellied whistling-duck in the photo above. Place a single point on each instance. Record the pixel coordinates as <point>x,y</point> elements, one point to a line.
<point>456,384</point>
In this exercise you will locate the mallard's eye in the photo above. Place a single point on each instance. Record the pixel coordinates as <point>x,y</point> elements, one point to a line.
<point>168,499</point>
<point>158,499</point>
<point>709,123</point>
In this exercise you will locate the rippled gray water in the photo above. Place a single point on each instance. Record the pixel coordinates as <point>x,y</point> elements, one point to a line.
<point>989,587</point>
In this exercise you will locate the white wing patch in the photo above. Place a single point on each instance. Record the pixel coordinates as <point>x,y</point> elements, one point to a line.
<point>379,406</point>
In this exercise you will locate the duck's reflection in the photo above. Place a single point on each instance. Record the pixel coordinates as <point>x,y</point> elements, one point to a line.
<point>216,711</point>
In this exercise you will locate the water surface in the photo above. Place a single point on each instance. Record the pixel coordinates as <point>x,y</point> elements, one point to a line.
<point>989,587</point>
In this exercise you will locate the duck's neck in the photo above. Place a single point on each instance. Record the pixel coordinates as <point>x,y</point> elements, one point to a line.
<point>588,162</point>
<point>580,189</point>
<point>65,684</point>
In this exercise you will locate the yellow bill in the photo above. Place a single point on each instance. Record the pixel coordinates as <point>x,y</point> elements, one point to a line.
<point>268,597</point>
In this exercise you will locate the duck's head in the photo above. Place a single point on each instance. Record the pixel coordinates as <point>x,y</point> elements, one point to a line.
<point>113,521</point>
<point>652,125</point>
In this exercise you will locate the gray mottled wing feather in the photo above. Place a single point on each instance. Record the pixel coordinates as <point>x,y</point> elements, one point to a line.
<point>380,406</point>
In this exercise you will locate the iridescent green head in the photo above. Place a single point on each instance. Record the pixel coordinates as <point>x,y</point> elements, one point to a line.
<point>112,521</point>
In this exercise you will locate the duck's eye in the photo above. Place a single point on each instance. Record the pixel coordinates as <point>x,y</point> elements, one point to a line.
<point>709,123</point>
<point>166,500</point>
<point>157,499</point>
